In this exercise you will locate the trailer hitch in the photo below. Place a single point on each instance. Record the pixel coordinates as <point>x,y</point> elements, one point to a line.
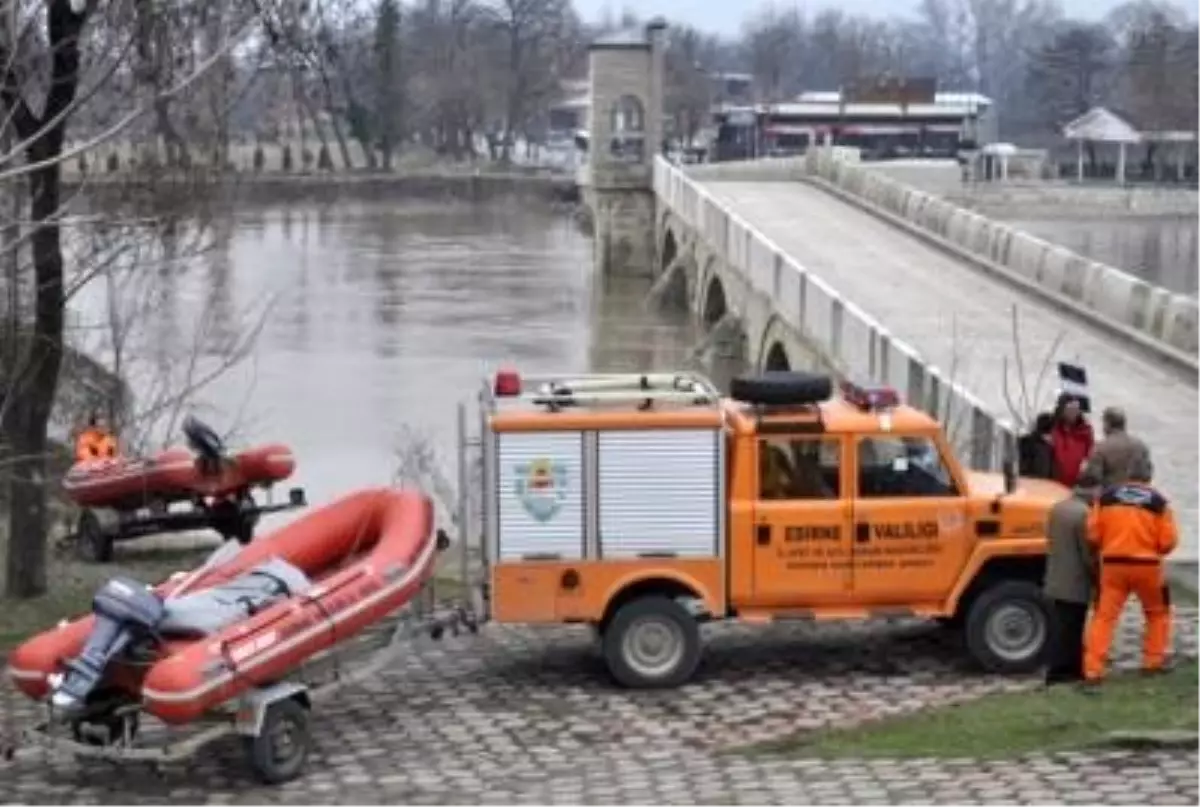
<point>455,622</point>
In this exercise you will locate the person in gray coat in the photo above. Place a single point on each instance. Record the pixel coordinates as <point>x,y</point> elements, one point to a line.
<point>1070,579</point>
<point>1113,456</point>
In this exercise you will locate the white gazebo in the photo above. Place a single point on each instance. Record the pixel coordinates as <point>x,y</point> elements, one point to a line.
<point>1099,125</point>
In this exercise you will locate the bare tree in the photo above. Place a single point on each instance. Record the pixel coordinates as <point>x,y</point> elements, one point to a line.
<point>389,77</point>
<point>307,40</point>
<point>690,59</point>
<point>1072,72</point>
<point>535,37</point>
<point>1157,85</point>
<point>451,82</point>
<point>45,48</point>
<point>773,40</point>
<point>136,329</point>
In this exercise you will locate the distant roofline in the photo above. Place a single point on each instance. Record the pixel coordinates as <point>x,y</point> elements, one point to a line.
<point>948,98</point>
<point>627,39</point>
<point>870,110</point>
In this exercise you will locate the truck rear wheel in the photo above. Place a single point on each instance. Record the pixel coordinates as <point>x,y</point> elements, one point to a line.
<point>652,643</point>
<point>1008,627</point>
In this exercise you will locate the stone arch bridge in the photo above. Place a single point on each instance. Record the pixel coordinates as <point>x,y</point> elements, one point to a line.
<point>821,262</point>
<point>747,323</point>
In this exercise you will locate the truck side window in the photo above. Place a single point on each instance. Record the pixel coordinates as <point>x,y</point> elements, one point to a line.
<point>902,466</point>
<point>799,468</point>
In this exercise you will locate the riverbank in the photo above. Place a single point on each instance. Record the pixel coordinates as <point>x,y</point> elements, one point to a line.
<point>443,182</point>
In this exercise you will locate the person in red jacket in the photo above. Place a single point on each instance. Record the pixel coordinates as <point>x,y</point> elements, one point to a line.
<point>1071,438</point>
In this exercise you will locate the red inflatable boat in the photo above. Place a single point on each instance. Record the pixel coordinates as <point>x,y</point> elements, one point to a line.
<point>127,497</point>
<point>358,560</point>
<point>173,475</point>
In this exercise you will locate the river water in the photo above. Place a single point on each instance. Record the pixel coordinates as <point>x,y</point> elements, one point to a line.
<point>385,314</point>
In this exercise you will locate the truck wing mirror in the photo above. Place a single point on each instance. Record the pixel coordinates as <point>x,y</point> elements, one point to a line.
<point>1010,475</point>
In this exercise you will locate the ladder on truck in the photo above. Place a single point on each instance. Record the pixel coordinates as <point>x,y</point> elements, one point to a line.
<point>644,390</point>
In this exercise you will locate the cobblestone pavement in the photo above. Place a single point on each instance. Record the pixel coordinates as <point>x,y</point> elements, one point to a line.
<point>528,716</point>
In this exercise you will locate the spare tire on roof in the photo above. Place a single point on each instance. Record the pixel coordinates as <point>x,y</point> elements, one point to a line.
<point>781,388</point>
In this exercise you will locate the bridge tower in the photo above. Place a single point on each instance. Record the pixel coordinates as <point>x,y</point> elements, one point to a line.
<point>625,134</point>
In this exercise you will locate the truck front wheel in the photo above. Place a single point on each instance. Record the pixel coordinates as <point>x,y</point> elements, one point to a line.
<point>652,643</point>
<point>1008,627</point>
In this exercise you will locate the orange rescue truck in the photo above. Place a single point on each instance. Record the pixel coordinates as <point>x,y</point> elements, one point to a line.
<point>645,505</point>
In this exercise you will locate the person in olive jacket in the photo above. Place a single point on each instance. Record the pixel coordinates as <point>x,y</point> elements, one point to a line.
<point>1070,577</point>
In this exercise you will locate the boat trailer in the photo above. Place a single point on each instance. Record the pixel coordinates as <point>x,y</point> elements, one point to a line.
<point>99,528</point>
<point>274,721</point>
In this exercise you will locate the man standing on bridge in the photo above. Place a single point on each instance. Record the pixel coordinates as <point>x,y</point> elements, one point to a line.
<point>1133,530</point>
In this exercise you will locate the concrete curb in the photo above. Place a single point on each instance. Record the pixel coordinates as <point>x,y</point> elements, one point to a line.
<point>1147,739</point>
<point>1183,364</point>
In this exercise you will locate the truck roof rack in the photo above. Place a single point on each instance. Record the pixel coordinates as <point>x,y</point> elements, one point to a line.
<point>643,390</point>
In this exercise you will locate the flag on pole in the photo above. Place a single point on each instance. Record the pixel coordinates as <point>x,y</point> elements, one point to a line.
<point>1072,380</point>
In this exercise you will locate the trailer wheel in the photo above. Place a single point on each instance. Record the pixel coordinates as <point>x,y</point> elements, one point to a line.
<point>243,530</point>
<point>651,643</point>
<point>230,519</point>
<point>112,730</point>
<point>1007,627</point>
<point>281,748</point>
<point>91,542</point>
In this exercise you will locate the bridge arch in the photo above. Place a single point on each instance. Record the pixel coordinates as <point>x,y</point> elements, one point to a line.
<point>776,358</point>
<point>714,306</point>
<point>778,347</point>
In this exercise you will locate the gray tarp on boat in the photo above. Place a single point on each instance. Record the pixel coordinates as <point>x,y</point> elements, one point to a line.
<point>210,610</point>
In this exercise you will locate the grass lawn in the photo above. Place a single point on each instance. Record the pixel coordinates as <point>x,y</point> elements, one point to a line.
<point>1183,596</point>
<point>1011,724</point>
<point>72,584</point>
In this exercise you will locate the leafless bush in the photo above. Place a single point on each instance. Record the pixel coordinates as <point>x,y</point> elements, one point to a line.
<point>1024,410</point>
<point>419,464</point>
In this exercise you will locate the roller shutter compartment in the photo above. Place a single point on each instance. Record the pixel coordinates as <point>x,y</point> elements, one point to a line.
<point>659,492</point>
<point>541,495</point>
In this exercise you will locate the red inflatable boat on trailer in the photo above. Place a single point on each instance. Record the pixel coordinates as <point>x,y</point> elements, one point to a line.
<point>173,475</point>
<point>238,626</point>
<point>128,497</point>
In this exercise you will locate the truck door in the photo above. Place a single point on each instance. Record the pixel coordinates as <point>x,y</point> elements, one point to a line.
<point>802,538</point>
<point>910,521</point>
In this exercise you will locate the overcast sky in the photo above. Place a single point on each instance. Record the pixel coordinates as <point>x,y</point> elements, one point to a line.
<point>726,16</point>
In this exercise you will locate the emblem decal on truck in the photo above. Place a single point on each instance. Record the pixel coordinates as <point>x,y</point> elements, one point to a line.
<point>541,486</point>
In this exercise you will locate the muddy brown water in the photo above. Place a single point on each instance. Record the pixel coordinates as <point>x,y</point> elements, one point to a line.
<point>384,315</point>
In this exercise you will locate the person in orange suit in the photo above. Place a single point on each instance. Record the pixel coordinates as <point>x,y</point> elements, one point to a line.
<point>1133,529</point>
<point>95,442</point>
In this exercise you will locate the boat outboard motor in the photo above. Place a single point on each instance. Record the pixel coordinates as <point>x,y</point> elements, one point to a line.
<point>125,610</point>
<point>205,442</point>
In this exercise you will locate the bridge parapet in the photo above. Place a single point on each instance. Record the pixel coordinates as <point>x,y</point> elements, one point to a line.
<point>851,341</point>
<point>1164,322</point>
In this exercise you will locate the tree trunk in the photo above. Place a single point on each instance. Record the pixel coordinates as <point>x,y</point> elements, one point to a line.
<point>27,417</point>
<point>25,421</point>
<point>385,147</point>
<point>343,147</point>
<point>176,147</point>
